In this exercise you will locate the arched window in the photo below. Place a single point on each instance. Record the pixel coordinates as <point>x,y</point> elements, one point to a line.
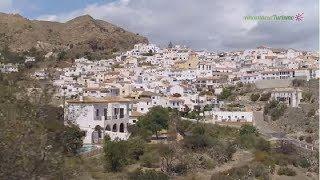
<point>121,127</point>
<point>99,130</point>
<point>108,128</point>
<point>114,128</point>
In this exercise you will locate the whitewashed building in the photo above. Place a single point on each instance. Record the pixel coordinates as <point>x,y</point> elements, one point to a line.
<point>232,116</point>
<point>292,97</point>
<point>99,117</point>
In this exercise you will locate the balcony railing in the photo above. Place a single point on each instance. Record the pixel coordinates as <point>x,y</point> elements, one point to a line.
<point>111,117</point>
<point>116,117</point>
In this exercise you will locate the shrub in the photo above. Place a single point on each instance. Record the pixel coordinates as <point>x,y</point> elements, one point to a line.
<point>248,129</point>
<point>261,156</point>
<point>297,82</point>
<point>277,112</point>
<point>286,171</point>
<point>286,148</point>
<point>265,96</point>
<point>207,107</point>
<point>261,171</point>
<point>285,159</point>
<point>167,155</point>
<point>193,115</point>
<point>179,169</point>
<point>225,94</point>
<point>262,144</point>
<point>115,155</point>
<point>275,109</point>
<point>254,97</point>
<point>62,55</point>
<point>270,105</point>
<point>140,174</point>
<point>221,176</point>
<point>150,160</point>
<point>208,163</point>
<point>311,113</point>
<point>309,130</point>
<point>306,96</point>
<point>247,141</point>
<point>239,172</point>
<point>304,163</point>
<point>309,139</point>
<point>198,141</point>
<point>301,138</point>
<point>222,152</point>
<point>136,148</point>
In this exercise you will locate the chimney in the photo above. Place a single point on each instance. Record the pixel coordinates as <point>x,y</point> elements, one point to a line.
<point>81,98</point>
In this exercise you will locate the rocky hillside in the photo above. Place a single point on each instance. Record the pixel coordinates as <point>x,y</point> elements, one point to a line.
<point>80,35</point>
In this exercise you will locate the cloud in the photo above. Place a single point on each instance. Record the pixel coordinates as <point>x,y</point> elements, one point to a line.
<point>209,24</point>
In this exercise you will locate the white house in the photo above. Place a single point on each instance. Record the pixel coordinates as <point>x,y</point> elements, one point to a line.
<point>290,96</point>
<point>99,117</point>
<point>232,116</point>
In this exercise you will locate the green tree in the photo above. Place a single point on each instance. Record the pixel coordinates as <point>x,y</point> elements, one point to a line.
<point>115,155</point>
<point>155,120</point>
<point>275,109</point>
<point>72,139</point>
<point>225,94</point>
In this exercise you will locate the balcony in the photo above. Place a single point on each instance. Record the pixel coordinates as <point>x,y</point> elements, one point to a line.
<point>108,118</point>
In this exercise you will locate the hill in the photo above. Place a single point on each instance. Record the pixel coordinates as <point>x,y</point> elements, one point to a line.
<point>79,35</point>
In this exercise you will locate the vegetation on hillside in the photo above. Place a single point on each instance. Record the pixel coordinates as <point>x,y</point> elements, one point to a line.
<point>32,134</point>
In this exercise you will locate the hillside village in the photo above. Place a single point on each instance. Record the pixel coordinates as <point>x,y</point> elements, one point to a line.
<point>115,92</point>
<point>159,90</point>
<point>213,108</point>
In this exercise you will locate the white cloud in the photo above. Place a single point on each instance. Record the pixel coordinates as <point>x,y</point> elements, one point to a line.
<point>49,18</point>
<point>210,24</point>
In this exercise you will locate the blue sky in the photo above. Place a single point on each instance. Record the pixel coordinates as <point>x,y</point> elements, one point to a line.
<point>207,24</point>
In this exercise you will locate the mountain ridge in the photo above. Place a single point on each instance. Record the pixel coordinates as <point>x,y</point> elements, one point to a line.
<point>78,35</point>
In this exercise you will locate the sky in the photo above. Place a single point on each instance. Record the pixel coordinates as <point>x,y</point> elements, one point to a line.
<point>200,24</point>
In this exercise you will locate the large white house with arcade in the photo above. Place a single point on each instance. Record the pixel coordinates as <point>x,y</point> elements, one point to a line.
<point>100,117</point>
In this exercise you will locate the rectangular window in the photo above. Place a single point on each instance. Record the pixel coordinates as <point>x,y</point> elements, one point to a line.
<point>97,112</point>
<point>121,113</point>
<point>116,113</point>
<point>105,112</point>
